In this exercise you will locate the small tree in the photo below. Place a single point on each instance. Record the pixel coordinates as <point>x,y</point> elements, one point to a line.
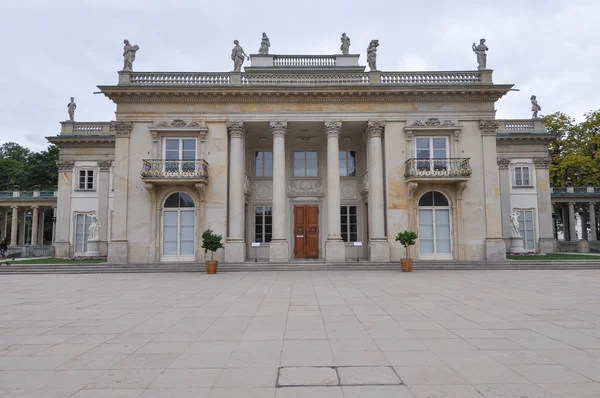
<point>211,242</point>
<point>407,239</point>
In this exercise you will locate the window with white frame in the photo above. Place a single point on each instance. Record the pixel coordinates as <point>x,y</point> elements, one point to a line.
<point>526,228</point>
<point>86,180</point>
<point>180,154</point>
<point>431,153</point>
<point>82,226</point>
<point>347,163</point>
<point>305,163</point>
<point>263,224</point>
<point>349,223</point>
<point>522,176</point>
<point>263,163</point>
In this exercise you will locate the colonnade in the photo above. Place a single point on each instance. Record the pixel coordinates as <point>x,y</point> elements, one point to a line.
<point>568,210</point>
<point>19,233</point>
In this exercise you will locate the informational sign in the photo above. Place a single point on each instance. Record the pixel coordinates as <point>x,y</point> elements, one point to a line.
<point>357,243</point>
<point>255,244</point>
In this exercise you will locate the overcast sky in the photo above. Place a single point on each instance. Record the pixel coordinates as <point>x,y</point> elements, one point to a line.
<point>54,49</point>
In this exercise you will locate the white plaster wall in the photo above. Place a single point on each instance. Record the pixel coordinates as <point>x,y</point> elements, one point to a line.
<point>525,198</point>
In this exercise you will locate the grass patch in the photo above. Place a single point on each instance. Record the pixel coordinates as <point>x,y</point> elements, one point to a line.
<point>54,261</point>
<point>556,256</point>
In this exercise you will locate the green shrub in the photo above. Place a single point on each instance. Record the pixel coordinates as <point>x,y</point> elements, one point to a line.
<point>407,239</point>
<point>211,242</point>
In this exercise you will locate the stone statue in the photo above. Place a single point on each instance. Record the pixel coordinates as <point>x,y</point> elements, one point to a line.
<point>129,55</point>
<point>514,224</point>
<point>481,55</point>
<point>372,54</point>
<point>264,44</point>
<point>237,56</point>
<point>94,229</point>
<point>71,106</point>
<point>535,107</point>
<point>345,47</point>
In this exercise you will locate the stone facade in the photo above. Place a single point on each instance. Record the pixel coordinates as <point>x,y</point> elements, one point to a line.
<point>306,155</point>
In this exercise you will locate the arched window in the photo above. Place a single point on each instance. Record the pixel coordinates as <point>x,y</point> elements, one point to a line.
<point>434,226</point>
<point>179,227</point>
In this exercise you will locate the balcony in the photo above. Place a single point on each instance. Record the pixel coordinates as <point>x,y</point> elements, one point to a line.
<point>442,170</point>
<point>175,172</point>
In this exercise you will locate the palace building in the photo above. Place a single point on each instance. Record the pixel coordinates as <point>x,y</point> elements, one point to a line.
<point>310,157</point>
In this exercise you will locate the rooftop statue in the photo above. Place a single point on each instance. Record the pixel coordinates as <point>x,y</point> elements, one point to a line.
<point>345,47</point>
<point>237,56</point>
<point>535,107</point>
<point>71,106</point>
<point>481,55</point>
<point>372,54</point>
<point>264,44</point>
<point>129,55</point>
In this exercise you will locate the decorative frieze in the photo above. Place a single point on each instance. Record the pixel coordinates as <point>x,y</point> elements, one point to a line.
<point>65,165</point>
<point>541,163</point>
<point>305,187</point>
<point>333,129</point>
<point>433,122</point>
<point>375,128</point>
<point>121,128</point>
<point>236,129</point>
<point>104,165</point>
<point>278,128</point>
<point>488,127</point>
<point>503,163</point>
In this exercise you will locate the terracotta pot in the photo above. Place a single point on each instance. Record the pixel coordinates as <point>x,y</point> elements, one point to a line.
<point>211,266</point>
<point>406,264</point>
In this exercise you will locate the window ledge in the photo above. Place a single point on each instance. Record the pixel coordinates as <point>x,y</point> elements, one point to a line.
<point>85,190</point>
<point>522,186</point>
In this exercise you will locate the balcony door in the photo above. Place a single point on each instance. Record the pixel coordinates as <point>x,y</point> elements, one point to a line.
<point>434,227</point>
<point>180,154</point>
<point>179,233</point>
<point>431,153</point>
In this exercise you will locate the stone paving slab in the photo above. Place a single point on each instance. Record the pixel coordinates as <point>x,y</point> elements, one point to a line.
<point>533,334</point>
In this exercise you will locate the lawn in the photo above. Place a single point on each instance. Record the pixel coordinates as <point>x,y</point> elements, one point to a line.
<point>55,261</point>
<point>556,256</point>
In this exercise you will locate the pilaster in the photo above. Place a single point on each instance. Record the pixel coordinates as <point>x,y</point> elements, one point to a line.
<point>62,233</point>
<point>103,190</point>
<point>504,180</point>
<point>546,241</point>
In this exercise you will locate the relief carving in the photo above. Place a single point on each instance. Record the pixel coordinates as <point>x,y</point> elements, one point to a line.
<point>308,187</point>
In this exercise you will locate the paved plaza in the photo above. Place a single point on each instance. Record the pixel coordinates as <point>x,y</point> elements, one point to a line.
<point>454,334</point>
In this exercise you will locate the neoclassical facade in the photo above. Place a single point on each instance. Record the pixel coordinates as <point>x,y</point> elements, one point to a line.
<point>303,157</point>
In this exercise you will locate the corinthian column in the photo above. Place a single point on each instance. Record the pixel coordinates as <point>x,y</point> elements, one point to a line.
<point>34,226</point>
<point>378,245</point>
<point>235,249</point>
<point>334,246</point>
<point>14,226</point>
<point>279,249</point>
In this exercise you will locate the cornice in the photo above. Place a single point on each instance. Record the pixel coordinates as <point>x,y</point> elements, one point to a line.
<point>62,140</point>
<point>524,137</point>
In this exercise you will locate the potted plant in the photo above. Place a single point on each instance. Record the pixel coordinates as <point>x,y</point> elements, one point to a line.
<point>407,239</point>
<point>211,242</point>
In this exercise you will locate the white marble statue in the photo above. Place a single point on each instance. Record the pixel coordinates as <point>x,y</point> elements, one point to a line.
<point>71,106</point>
<point>372,54</point>
<point>514,224</point>
<point>129,55</point>
<point>264,44</point>
<point>481,55</point>
<point>535,107</point>
<point>345,47</point>
<point>237,56</point>
<point>94,229</point>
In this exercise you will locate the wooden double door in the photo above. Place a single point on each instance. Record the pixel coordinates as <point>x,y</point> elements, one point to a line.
<point>306,231</point>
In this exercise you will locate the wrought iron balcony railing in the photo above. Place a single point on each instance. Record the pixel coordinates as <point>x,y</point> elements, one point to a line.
<point>186,169</point>
<point>437,168</point>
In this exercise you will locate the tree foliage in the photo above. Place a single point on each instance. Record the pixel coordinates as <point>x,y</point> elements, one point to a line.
<point>22,167</point>
<point>575,154</point>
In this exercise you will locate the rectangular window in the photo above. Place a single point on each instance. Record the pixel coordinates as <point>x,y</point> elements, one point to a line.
<point>431,153</point>
<point>263,223</point>
<point>526,228</point>
<point>263,163</point>
<point>305,163</point>
<point>86,180</point>
<point>347,163</point>
<point>522,176</point>
<point>180,154</point>
<point>82,225</point>
<point>349,224</point>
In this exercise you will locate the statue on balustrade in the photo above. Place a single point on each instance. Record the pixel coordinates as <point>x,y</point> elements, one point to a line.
<point>372,54</point>
<point>345,47</point>
<point>264,44</point>
<point>514,224</point>
<point>129,55</point>
<point>481,55</point>
<point>237,56</point>
<point>94,228</point>
<point>535,107</point>
<point>71,106</point>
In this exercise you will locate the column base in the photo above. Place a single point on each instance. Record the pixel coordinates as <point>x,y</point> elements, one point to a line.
<point>547,245</point>
<point>379,251</point>
<point>495,249</point>
<point>118,252</point>
<point>235,251</point>
<point>335,251</point>
<point>62,249</point>
<point>279,251</point>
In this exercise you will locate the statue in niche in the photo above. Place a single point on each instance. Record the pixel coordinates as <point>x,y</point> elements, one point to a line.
<point>264,44</point>
<point>535,107</point>
<point>481,55</point>
<point>345,47</point>
<point>129,55</point>
<point>237,56</point>
<point>71,106</point>
<point>94,229</point>
<point>514,224</point>
<point>372,54</point>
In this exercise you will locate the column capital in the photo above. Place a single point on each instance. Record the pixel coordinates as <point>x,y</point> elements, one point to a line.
<point>278,128</point>
<point>375,128</point>
<point>65,165</point>
<point>542,162</point>
<point>488,127</point>
<point>104,165</point>
<point>122,129</point>
<point>35,207</point>
<point>236,129</point>
<point>14,207</point>
<point>333,129</point>
<point>503,163</point>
